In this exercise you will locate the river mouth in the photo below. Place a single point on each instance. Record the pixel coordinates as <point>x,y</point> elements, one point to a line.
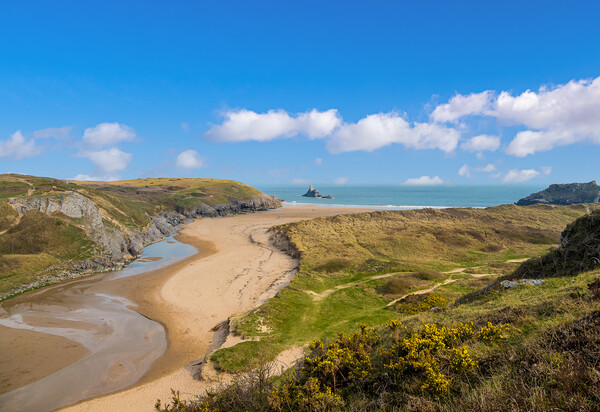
<point>117,345</point>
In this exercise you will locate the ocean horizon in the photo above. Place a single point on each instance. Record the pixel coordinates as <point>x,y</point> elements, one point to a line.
<point>399,197</point>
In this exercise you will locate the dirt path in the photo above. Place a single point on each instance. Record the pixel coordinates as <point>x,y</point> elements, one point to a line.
<point>422,291</point>
<point>325,293</point>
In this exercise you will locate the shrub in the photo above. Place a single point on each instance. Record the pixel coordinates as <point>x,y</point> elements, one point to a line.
<point>420,303</point>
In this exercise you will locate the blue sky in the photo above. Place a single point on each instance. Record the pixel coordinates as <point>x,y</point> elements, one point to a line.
<point>372,92</point>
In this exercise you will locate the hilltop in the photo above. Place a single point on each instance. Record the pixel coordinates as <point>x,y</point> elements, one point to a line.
<point>51,229</point>
<point>564,194</point>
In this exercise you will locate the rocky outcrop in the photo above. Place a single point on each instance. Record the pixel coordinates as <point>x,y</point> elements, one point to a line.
<point>255,204</point>
<point>564,194</point>
<point>114,242</point>
<point>312,192</point>
<point>119,242</point>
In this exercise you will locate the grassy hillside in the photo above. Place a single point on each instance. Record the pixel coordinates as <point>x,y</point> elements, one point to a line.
<point>353,266</point>
<point>529,347</point>
<point>175,193</point>
<point>36,242</point>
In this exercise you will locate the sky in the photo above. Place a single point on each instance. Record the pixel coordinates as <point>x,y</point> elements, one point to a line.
<point>331,92</point>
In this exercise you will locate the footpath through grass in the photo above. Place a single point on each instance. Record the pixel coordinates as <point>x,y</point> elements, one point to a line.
<point>523,345</point>
<point>340,283</point>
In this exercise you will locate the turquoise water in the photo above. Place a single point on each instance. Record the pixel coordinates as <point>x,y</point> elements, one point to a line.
<point>403,197</point>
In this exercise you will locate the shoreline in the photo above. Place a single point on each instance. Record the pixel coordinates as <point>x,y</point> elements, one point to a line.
<point>235,269</point>
<point>192,296</point>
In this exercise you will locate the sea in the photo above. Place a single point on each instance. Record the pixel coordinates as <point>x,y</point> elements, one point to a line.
<point>402,197</point>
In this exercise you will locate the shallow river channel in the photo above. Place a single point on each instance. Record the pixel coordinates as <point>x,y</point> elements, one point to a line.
<point>122,343</point>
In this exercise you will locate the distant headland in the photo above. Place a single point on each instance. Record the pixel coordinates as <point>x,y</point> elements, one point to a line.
<point>564,194</point>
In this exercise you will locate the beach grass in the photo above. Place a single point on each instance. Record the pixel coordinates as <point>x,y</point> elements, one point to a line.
<point>344,258</point>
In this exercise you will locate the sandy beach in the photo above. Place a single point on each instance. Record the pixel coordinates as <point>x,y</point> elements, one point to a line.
<point>236,270</point>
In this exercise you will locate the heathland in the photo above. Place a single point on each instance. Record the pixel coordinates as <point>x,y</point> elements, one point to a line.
<point>376,306</point>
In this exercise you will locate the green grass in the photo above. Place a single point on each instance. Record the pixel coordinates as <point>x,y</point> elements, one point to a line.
<point>177,193</point>
<point>8,216</point>
<point>336,249</point>
<point>40,241</point>
<point>37,242</point>
<point>349,250</point>
<point>545,358</point>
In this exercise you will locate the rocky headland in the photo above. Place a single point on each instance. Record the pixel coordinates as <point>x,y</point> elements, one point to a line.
<point>116,227</point>
<point>564,194</point>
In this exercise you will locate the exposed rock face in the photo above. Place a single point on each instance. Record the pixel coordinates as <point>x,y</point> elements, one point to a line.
<point>115,244</point>
<point>564,194</point>
<point>255,204</point>
<point>312,192</point>
<point>118,243</point>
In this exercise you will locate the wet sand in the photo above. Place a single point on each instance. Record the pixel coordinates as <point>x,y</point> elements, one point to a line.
<point>237,269</point>
<point>192,297</point>
<point>28,360</point>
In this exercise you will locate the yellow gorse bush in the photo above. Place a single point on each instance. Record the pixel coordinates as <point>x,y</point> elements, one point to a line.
<point>433,300</point>
<point>428,358</point>
<point>461,360</point>
<point>490,333</point>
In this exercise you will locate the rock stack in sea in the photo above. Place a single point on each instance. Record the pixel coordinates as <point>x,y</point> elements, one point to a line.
<point>312,192</point>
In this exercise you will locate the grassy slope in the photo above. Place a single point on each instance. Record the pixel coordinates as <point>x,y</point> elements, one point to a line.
<point>352,250</point>
<point>545,356</point>
<point>125,205</point>
<point>37,242</point>
<point>176,193</point>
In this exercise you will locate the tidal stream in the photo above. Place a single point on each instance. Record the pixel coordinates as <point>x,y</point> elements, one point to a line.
<point>122,343</point>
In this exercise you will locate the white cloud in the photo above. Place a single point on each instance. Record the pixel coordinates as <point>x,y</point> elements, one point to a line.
<point>546,170</point>
<point>340,180</point>
<point>17,147</point>
<point>318,161</point>
<point>109,160</point>
<point>378,130</point>
<point>107,134</point>
<point>86,178</point>
<point>299,181</point>
<point>465,171</point>
<point>553,116</point>
<point>185,127</point>
<point>518,176</point>
<point>460,106</point>
<point>424,181</point>
<point>53,132</point>
<point>368,134</point>
<point>244,125</point>
<point>481,143</point>
<point>317,125</point>
<point>489,168</point>
<point>189,160</point>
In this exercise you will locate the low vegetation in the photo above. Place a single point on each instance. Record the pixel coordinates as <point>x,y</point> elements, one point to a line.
<point>579,252</point>
<point>35,244</point>
<point>529,347</point>
<point>352,266</point>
